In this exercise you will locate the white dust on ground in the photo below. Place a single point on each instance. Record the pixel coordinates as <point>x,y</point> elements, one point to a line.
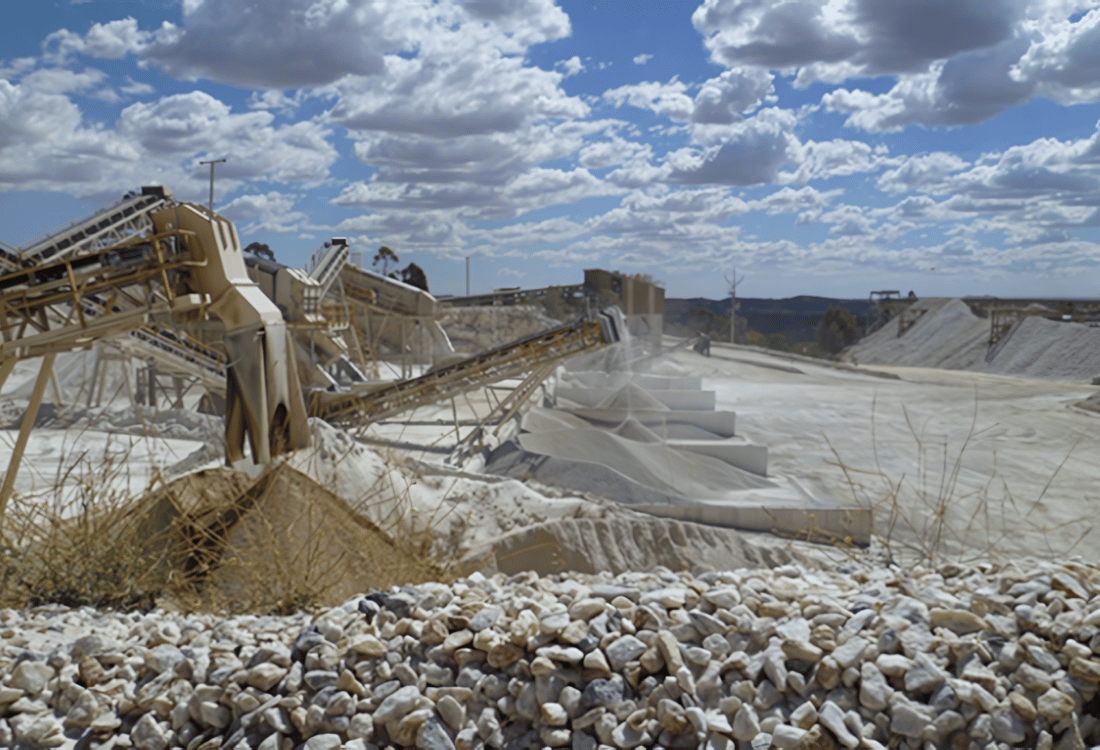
<point>950,336</point>
<point>1025,479</point>
<point>476,329</point>
<point>120,451</point>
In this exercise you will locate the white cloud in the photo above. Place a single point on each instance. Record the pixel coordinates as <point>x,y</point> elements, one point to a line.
<point>609,153</point>
<point>420,95</point>
<point>966,89</point>
<point>570,67</point>
<point>266,212</point>
<point>788,200</point>
<point>136,88</point>
<point>956,61</point>
<point>751,154</point>
<point>546,232</point>
<point>642,59</point>
<point>666,99</point>
<point>189,125</point>
<point>719,101</point>
<point>846,38</point>
<point>46,145</point>
<point>511,272</point>
<point>836,158</point>
<point>60,81</point>
<point>923,172</point>
<point>1065,61</point>
<point>847,221</point>
<point>112,40</point>
<point>15,68</point>
<point>283,44</point>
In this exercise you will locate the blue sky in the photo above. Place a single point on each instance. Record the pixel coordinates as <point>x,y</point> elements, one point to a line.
<point>828,147</point>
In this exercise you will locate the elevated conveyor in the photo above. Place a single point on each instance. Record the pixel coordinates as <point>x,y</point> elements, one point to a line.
<point>470,374</point>
<point>115,224</point>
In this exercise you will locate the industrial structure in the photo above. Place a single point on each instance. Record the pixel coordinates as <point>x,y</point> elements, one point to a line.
<point>167,283</point>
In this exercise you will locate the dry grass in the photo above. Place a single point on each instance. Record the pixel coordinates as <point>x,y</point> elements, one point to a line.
<point>212,540</point>
<point>928,518</point>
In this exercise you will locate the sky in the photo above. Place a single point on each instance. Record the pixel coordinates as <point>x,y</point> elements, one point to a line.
<point>825,147</point>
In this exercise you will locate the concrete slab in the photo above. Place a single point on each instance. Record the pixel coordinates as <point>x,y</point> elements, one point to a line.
<point>678,400</point>
<point>721,423</point>
<point>648,382</point>
<point>736,452</point>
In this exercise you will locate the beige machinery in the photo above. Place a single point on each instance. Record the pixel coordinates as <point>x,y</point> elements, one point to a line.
<point>394,320</point>
<point>177,265</point>
<point>169,280</point>
<point>318,326</point>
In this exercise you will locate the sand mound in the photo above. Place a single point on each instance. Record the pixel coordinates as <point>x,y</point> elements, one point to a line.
<point>1048,350</point>
<point>634,430</point>
<point>950,336</point>
<point>947,335</point>
<point>585,477</point>
<point>651,464</point>
<point>539,419</point>
<point>622,544</point>
<point>631,396</point>
<point>276,540</point>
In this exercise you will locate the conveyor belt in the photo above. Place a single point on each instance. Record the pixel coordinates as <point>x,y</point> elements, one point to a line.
<point>508,361</point>
<point>108,226</point>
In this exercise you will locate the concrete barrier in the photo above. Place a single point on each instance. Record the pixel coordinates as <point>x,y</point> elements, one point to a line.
<point>720,423</point>
<point>676,400</point>
<point>590,379</point>
<point>736,452</point>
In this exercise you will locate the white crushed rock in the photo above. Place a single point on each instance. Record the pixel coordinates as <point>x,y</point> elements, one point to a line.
<point>948,335</point>
<point>476,329</point>
<point>854,656</point>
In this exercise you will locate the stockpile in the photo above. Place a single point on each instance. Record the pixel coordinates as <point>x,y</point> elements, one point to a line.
<point>854,656</point>
<point>950,336</point>
<point>477,329</point>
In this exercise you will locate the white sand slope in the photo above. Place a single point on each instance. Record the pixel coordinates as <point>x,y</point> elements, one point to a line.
<point>952,337</point>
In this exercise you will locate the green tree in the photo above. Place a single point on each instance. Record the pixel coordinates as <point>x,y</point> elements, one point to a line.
<point>837,330</point>
<point>554,304</point>
<point>385,256</point>
<point>710,322</point>
<point>778,340</point>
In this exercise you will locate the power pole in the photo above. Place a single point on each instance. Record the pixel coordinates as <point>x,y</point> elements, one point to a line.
<point>467,275</point>
<point>212,162</point>
<point>733,282</point>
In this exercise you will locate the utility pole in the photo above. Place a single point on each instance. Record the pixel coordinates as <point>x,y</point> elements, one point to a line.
<point>733,282</point>
<point>467,275</point>
<point>212,162</point>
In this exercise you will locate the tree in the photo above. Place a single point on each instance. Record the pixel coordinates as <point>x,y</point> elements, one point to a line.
<point>260,250</point>
<point>414,275</point>
<point>837,330</point>
<point>385,256</point>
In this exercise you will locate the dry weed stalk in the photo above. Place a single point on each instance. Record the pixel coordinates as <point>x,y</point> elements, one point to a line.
<point>929,519</point>
<point>283,544</point>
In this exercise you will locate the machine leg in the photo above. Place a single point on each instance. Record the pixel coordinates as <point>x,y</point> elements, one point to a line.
<point>5,369</point>
<point>25,429</point>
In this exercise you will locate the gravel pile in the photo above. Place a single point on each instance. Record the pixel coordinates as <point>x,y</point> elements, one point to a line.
<point>476,329</point>
<point>950,336</point>
<point>787,658</point>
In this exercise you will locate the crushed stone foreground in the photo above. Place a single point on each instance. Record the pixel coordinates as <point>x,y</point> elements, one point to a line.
<point>855,655</point>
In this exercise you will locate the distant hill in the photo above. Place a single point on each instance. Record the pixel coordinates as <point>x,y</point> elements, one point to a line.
<point>795,317</point>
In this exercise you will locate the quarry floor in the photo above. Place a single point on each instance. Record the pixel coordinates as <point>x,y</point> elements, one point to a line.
<point>953,463</point>
<point>949,459</point>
